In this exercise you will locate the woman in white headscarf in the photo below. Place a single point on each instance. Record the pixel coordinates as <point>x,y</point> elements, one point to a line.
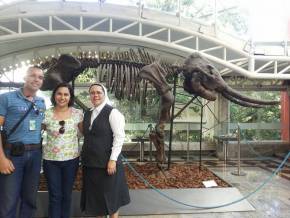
<point>105,188</point>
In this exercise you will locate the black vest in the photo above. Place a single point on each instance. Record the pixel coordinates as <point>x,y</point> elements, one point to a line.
<point>98,141</point>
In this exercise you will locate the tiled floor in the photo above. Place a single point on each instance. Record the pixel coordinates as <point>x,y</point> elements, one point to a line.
<point>273,200</point>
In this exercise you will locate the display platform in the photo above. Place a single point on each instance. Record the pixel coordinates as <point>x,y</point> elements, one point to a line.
<point>149,202</point>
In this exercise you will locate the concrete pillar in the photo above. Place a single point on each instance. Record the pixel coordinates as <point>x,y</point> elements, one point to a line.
<point>221,111</point>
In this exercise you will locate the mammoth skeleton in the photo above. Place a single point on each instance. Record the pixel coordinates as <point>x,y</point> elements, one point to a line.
<point>126,70</point>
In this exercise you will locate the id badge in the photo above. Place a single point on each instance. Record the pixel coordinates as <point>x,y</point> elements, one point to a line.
<point>32,125</point>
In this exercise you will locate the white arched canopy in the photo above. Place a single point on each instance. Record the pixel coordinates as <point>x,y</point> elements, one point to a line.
<point>28,34</point>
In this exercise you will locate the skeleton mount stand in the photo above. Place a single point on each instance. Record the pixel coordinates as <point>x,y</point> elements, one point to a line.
<point>173,116</point>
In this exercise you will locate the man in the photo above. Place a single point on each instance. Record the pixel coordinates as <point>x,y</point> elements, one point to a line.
<point>20,156</point>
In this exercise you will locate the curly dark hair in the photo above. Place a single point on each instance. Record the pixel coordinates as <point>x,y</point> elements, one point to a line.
<point>71,92</point>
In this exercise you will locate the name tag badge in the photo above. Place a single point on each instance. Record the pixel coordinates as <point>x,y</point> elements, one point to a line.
<point>32,125</point>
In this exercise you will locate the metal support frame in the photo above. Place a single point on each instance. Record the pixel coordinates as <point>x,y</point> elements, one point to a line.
<point>132,31</point>
<point>238,172</point>
<point>173,116</point>
<point>200,133</point>
<point>171,121</point>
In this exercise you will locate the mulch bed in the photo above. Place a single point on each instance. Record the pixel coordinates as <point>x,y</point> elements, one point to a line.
<point>180,175</point>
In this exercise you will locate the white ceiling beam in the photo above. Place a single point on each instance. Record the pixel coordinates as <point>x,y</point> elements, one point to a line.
<point>96,24</point>
<point>155,32</point>
<point>182,40</point>
<point>237,60</point>
<point>263,67</point>
<point>65,23</point>
<point>126,27</point>
<point>284,70</point>
<point>35,24</point>
<point>136,39</point>
<point>211,49</point>
<point>7,30</point>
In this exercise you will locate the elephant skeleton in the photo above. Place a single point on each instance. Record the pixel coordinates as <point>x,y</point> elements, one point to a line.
<point>126,70</point>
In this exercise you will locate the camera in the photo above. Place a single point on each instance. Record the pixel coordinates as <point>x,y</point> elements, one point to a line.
<point>17,149</point>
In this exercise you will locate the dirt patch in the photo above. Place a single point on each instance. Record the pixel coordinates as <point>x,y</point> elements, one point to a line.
<point>180,175</point>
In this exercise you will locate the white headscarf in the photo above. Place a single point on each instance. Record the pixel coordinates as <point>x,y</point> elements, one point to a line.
<point>107,100</point>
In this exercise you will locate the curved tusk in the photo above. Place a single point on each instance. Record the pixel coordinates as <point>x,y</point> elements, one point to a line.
<point>235,94</point>
<point>241,102</point>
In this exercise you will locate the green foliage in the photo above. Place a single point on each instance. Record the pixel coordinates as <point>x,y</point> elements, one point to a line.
<point>264,134</point>
<point>270,134</point>
<point>269,114</point>
<point>135,112</point>
<point>183,99</point>
<point>88,76</point>
<point>241,114</point>
<point>251,115</point>
<point>83,95</point>
<point>181,135</point>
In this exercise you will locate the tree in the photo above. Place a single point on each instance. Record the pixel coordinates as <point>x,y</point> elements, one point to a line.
<point>239,114</point>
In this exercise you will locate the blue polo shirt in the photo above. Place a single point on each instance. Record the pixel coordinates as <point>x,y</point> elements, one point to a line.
<point>13,106</point>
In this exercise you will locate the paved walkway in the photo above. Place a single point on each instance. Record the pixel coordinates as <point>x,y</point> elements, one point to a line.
<point>271,201</point>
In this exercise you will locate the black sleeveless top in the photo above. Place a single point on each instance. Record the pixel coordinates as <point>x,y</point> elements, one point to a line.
<point>98,141</point>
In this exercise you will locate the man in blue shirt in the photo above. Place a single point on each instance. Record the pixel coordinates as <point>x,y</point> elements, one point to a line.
<point>20,170</point>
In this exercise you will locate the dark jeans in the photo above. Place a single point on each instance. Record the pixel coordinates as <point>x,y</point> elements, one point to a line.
<point>21,186</point>
<point>60,176</point>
